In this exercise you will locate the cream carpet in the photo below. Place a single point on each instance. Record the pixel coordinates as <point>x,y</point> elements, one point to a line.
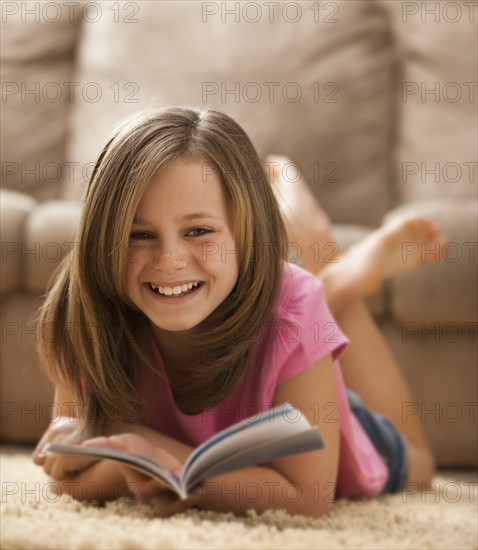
<point>31,519</point>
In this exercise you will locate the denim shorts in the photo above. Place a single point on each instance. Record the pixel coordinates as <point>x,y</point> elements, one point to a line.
<point>387,440</point>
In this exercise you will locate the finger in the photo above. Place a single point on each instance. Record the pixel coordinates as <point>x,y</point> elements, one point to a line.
<point>57,431</point>
<point>121,442</point>
<point>66,466</point>
<point>151,488</point>
<point>138,445</point>
<point>48,464</point>
<point>172,504</point>
<point>59,470</point>
<point>39,456</point>
<point>179,505</point>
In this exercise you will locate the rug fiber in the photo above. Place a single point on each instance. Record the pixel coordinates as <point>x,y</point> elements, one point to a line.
<point>33,518</point>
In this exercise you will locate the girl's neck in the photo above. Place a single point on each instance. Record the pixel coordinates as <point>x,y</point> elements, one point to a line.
<point>175,348</point>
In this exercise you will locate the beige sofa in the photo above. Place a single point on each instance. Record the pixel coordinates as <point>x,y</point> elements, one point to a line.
<point>375,101</point>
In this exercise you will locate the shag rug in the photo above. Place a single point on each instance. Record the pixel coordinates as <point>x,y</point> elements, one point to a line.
<point>33,518</point>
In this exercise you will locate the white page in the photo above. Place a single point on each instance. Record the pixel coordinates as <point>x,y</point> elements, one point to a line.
<point>130,459</point>
<point>271,425</point>
<point>263,452</point>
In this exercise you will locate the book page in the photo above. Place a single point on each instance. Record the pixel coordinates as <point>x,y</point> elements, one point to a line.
<point>140,463</point>
<point>278,423</point>
<point>301,442</point>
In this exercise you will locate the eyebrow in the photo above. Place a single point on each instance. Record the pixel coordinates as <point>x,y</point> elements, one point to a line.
<point>187,217</point>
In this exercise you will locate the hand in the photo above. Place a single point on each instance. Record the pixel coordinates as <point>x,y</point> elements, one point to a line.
<point>142,486</point>
<point>62,467</point>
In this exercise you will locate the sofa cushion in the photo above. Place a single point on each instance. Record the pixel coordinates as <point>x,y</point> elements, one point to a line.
<point>15,209</point>
<point>310,80</point>
<point>36,67</point>
<point>442,291</point>
<point>26,395</point>
<point>49,237</point>
<point>437,134</point>
<point>443,380</point>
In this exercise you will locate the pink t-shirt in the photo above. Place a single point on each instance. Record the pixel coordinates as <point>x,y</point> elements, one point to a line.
<point>303,332</point>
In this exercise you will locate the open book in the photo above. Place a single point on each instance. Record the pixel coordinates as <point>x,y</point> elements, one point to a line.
<point>275,433</point>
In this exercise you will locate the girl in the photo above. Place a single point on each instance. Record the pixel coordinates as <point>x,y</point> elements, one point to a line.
<point>179,315</point>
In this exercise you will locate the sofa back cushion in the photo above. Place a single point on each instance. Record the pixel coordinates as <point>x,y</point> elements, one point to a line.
<point>438,94</point>
<point>36,68</point>
<point>305,79</point>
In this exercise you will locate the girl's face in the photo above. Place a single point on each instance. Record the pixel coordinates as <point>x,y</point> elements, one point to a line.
<point>181,258</point>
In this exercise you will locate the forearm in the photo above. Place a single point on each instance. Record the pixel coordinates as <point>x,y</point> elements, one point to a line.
<point>101,481</point>
<point>258,487</point>
<point>262,488</point>
<point>105,479</point>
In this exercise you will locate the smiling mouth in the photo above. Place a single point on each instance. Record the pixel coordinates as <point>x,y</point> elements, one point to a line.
<point>176,291</point>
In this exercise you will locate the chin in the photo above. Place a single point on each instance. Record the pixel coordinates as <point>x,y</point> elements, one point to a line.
<point>176,327</point>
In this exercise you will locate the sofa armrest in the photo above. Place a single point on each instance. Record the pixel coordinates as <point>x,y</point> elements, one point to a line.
<point>15,208</point>
<point>35,238</point>
<point>50,235</point>
<point>441,291</point>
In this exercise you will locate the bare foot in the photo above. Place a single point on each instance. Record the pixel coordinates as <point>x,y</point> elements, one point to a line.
<point>402,244</point>
<point>308,226</point>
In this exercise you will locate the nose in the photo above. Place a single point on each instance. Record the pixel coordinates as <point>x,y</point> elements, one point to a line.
<point>169,257</point>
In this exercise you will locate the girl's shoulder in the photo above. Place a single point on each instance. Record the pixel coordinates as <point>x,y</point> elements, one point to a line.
<point>304,328</point>
<point>299,291</point>
<point>303,331</point>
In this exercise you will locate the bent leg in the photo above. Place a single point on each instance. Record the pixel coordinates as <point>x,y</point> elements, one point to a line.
<point>307,224</point>
<point>363,268</point>
<point>368,366</point>
<point>370,370</point>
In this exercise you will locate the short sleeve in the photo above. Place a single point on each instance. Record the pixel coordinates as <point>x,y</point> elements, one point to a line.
<point>305,329</point>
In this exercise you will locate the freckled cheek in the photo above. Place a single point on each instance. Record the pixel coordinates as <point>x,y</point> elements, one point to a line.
<point>216,252</point>
<point>135,260</point>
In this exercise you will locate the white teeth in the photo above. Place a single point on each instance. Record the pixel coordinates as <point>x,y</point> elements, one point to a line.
<point>176,290</point>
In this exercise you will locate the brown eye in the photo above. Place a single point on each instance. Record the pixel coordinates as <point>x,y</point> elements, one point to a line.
<point>139,235</point>
<point>199,231</point>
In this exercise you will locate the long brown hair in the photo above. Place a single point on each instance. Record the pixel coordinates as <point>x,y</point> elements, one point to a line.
<point>93,349</point>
